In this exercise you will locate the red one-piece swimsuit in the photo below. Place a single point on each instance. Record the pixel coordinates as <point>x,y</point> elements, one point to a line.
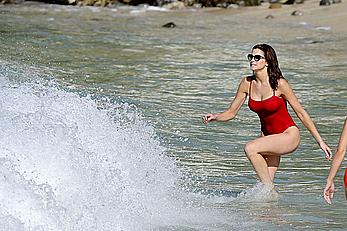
<point>272,112</point>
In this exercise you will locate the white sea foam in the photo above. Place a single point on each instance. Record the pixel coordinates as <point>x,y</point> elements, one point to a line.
<point>145,8</point>
<point>73,163</point>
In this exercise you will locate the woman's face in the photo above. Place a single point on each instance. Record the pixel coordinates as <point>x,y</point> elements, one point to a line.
<point>257,60</point>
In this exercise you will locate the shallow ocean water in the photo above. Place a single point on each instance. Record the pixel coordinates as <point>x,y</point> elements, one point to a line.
<point>101,121</point>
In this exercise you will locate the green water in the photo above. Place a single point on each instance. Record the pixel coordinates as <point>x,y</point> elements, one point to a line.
<point>176,75</point>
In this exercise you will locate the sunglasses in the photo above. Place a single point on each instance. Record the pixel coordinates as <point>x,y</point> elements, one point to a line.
<point>255,57</point>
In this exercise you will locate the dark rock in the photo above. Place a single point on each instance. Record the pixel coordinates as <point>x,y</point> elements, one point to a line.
<point>252,2</point>
<point>11,1</point>
<point>269,16</point>
<point>297,13</point>
<point>223,5</point>
<point>169,25</point>
<point>324,3</point>
<point>59,2</point>
<point>289,2</point>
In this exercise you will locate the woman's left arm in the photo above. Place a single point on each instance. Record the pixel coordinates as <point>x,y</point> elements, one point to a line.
<point>335,165</point>
<point>288,94</point>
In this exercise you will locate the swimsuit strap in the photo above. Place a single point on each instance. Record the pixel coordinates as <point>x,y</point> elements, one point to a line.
<point>250,88</point>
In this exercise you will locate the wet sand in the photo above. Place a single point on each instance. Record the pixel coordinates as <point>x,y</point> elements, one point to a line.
<point>332,18</point>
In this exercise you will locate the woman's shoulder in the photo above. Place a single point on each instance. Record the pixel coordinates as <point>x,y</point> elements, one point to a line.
<point>244,83</point>
<point>247,79</point>
<point>283,83</point>
<point>284,86</point>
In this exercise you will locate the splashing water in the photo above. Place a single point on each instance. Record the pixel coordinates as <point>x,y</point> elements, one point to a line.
<point>78,163</point>
<point>73,163</point>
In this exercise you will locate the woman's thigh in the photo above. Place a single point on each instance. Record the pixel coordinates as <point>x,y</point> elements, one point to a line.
<point>277,144</point>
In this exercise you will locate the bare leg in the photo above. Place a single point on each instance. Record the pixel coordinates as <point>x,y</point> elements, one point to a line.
<point>274,145</point>
<point>273,163</point>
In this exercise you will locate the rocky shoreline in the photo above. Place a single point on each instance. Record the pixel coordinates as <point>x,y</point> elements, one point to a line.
<point>174,4</point>
<point>326,13</point>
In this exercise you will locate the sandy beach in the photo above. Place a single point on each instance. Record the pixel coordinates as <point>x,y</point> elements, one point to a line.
<point>331,17</point>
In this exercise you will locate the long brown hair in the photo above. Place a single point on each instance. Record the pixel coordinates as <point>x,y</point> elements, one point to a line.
<point>273,69</point>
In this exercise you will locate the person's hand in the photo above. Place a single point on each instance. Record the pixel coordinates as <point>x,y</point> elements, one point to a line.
<point>208,118</point>
<point>326,150</point>
<point>329,192</point>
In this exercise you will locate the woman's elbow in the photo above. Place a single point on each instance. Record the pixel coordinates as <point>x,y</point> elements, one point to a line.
<point>229,116</point>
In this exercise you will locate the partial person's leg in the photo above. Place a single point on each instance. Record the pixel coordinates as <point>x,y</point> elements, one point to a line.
<point>275,145</point>
<point>273,162</point>
<point>345,182</point>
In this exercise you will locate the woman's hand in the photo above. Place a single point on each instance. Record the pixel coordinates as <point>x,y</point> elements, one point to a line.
<point>329,191</point>
<point>208,118</point>
<point>326,150</point>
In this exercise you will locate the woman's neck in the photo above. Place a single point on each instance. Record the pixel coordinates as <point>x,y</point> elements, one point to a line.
<point>261,76</point>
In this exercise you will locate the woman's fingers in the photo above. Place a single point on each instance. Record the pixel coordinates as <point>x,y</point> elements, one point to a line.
<point>326,150</point>
<point>207,118</point>
<point>328,195</point>
<point>204,119</point>
<point>327,153</point>
<point>327,198</point>
<point>329,192</point>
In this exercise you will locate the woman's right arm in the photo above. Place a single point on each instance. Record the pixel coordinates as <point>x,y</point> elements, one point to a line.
<point>234,107</point>
<point>335,165</point>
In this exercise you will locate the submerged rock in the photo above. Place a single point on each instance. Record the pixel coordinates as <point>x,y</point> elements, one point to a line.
<point>297,13</point>
<point>169,25</point>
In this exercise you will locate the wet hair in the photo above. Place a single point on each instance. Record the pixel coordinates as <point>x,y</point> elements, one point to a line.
<point>273,69</point>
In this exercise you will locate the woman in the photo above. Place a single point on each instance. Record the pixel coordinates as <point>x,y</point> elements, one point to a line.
<point>268,93</point>
<point>335,165</point>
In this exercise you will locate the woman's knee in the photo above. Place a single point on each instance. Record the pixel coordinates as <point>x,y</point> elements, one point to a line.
<point>250,149</point>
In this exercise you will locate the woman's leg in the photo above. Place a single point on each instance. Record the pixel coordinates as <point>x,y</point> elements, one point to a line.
<point>274,145</point>
<point>273,162</point>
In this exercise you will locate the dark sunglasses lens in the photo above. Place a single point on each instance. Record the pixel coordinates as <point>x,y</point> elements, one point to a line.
<point>257,58</point>
<point>249,57</point>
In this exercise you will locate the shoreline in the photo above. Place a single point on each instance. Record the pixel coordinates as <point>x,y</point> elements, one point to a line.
<point>325,18</point>
<point>330,18</point>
